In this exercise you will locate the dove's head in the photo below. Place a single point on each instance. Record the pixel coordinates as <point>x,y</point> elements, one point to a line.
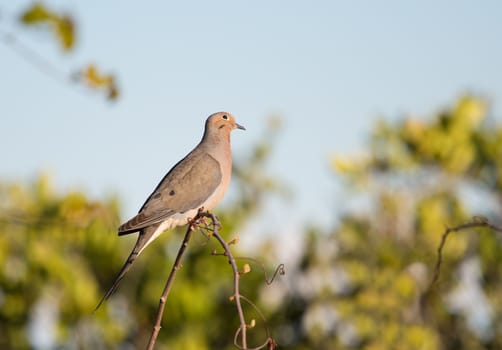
<point>219,125</point>
<point>222,121</point>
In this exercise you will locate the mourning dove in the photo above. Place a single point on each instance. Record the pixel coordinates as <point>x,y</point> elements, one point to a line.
<point>197,181</point>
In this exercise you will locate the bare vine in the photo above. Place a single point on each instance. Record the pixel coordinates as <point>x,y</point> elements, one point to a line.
<point>211,229</point>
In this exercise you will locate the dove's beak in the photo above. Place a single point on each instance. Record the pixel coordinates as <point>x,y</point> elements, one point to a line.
<point>238,126</point>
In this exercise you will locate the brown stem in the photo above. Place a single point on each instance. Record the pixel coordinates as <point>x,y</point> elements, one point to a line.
<point>177,265</point>
<point>169,283</point>
<point>237,297</point>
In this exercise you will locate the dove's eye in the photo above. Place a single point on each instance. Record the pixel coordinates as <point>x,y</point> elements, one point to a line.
<point>225,117</point>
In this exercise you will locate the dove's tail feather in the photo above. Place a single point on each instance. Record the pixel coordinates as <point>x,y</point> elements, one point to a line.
<point>123,271</point>
<point>146,236</point>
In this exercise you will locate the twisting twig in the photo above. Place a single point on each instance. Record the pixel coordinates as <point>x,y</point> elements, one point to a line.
<point>237,297</point>
<point>212,230</point>
<point>477,221</point>
<point>279,270</point>
<point>269,342</point>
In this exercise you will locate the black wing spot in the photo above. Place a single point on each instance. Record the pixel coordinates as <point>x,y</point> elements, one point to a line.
<point>172,193</point>
<point>156,195</point>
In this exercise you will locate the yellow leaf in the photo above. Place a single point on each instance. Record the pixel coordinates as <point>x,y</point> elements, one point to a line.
<point>97,80</point>
<point>246,268</point>
<point>471,111</point>
<point>234,240</point>
<point>62,25</point>
<point>37,13</point>
<point>113,91</point>
<point>65,30</point>
<point>342,164</point>
<point>93,78</point>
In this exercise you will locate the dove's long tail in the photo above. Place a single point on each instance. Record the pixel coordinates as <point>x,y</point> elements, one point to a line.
<point>145,237</point>
<point>119,277</point>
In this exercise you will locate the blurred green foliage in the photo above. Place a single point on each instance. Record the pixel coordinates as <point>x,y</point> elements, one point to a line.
<point>419,176</point>
<point>356,285</point>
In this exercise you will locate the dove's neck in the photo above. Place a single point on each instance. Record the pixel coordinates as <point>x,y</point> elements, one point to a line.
<point>217,143</point>
<point>218,146</point>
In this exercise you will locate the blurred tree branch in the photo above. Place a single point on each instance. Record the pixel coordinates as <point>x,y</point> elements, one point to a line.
<point>62,25</point>
<point>477,222</point>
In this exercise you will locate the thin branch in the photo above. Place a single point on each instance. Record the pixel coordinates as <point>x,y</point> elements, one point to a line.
<point>170,280</point>
<point>43,65</point>
<point>34,58</point>
<point>477,221</point>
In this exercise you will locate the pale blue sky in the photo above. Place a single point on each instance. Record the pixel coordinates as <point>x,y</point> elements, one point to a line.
<point>329,68</point>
